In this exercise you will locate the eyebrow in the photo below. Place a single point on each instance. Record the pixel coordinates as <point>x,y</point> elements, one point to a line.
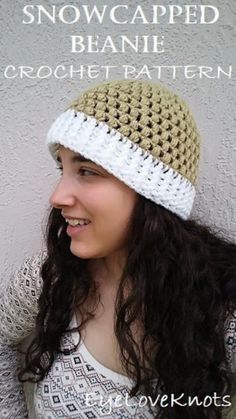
<point>77,159</point>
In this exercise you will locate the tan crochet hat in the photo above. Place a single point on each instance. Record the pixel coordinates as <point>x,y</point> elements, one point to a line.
<point>140,132</point>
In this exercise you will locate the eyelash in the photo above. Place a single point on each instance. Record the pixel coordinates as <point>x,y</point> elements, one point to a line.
<point>80,170</point>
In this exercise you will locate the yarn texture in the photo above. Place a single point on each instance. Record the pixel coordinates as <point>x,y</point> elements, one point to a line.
<point>142,133</point>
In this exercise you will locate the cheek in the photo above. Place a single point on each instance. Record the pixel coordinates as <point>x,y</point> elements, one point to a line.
<point>112,209</point>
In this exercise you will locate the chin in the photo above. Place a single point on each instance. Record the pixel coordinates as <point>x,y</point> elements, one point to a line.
<point>81,255</point>
<point>80,252</point>
<point>86,253</point>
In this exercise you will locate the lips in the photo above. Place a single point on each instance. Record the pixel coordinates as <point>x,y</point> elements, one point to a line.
<point>71,217</point>
<point>75,223</point>
<point>73,231</point>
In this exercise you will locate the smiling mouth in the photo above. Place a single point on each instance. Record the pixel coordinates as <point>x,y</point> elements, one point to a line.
<point>73,230</point>
<point>74,222</point>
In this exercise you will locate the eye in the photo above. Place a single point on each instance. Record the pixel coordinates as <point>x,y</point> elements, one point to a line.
<point>60,169</point>
<point>89,172</point>
<point>83,172</point>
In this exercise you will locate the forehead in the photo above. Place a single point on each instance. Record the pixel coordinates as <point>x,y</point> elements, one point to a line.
<point>73,156</point>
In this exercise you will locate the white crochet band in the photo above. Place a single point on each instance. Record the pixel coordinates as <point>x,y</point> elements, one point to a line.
<point>122,158</point>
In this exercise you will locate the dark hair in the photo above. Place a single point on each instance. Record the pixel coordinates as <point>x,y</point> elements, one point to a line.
<point>182,281</point>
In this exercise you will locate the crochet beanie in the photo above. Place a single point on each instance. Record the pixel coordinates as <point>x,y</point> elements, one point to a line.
<point>140,132</point>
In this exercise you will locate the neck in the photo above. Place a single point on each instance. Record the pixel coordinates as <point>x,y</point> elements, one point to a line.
<point>107,270</point>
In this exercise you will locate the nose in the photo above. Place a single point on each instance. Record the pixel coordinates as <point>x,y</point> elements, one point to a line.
<point>63,195</point>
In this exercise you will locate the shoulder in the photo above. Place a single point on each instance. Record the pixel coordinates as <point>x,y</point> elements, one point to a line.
<point>27,280</point>
<point>28,276</point>
<point>19,298</point>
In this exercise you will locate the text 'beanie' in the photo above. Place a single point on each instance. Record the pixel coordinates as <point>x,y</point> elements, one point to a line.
<point>140,132</point>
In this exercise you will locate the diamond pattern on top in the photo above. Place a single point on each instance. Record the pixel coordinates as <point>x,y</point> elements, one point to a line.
<point>230,340</point>
<point>76,390</point>
<point>53,398</point>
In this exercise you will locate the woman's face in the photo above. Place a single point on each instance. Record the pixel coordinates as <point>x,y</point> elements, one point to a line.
<point>88,191</point>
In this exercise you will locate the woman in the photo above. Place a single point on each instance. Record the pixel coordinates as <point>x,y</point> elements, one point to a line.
<point>136,301</point>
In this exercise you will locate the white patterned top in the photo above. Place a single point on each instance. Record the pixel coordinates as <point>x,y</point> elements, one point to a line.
<point>77,386</point>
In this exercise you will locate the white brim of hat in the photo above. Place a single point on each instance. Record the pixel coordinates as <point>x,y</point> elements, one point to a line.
<point>124,159</point>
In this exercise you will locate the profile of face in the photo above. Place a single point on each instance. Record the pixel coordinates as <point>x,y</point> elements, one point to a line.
<point>87,191</point>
